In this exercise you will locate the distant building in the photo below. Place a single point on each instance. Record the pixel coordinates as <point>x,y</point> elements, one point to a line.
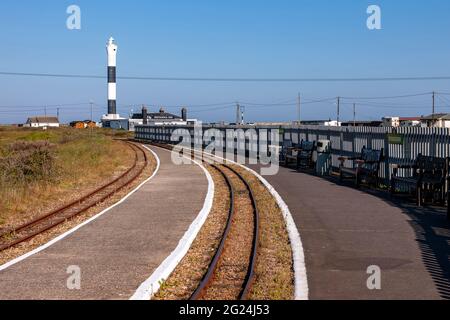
<point>410,122</point>
<point>116,124</point>
<point>77,124</point>
<point>43,122</point>
<point>391,122</point>
<point>90,124</point>
<point>369,123</point>
<point>267,124</point>
<point>326,123</point>
<point>439,120</point>
<point>83,124</point>
<point>160,118</point>
<point>397,122</point>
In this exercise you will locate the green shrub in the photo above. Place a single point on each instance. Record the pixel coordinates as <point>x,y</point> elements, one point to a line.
<point>25,162</point>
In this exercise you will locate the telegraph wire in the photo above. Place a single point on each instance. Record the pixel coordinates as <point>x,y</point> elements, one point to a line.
<point>201,79</point>
<point>389,97</point>
<point>45,106</point>
<point>223,106</point>
<point>444,100</point>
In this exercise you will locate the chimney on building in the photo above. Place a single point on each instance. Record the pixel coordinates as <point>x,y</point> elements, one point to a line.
<point>145,115</point>
<point>184,114</point>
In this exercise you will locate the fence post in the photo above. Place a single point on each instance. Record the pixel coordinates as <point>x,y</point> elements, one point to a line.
<point>387,169</point>
<point>433,141</point>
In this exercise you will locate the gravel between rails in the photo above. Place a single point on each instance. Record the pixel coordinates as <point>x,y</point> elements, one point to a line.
<point>274,275</point>
<point>45,237</point>
<point>233,266</point>
<point>191,270</point>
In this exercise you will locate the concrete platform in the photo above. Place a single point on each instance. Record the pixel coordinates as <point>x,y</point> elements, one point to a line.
<point>122,248</point>
<point>344,231</point>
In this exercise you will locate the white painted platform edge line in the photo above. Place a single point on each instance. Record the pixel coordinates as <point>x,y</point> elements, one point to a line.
<point>64,235</point>
<point>150,287</point>
<point>300,274</point>
<point>301,279</point>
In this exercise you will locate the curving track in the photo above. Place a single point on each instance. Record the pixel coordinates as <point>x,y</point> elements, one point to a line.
<point>31,229</point>
<point>231,275</point>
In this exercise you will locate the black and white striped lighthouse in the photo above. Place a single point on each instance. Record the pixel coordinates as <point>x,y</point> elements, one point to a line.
<point>112,89</point>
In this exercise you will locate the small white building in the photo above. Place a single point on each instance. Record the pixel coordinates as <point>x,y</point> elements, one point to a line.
<point>326,123</point>
<point>410,122</point>
<point>391,122</point>
<point>42,122</point>
<point>439,120</point>
<point>332,123</point>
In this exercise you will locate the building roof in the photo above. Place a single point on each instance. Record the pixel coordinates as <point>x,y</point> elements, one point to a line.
<point>437,116</point>
<point>368,123</point>
<point>43,119</point>
<point>161,115</point>
<point>410,118</point>
<point>363,122</point>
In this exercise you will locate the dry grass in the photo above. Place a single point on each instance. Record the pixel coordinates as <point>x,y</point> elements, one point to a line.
<point>32,244</point>
<point>82,161</point>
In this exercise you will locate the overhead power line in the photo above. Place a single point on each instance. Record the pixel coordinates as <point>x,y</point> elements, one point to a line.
<point>389,97</point>
<point>444,99</point>
<point>45,106</point>
<point>386,106</point>
<point>179,106</point>
<point>382,102</point>
<point>213,79</point>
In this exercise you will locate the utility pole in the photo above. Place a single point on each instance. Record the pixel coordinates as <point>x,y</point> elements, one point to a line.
<point>354,115</point>
<point>338,110</point>
<point>91,103</point>
<point>434,101</point>
<point>92,108</point>
<point>45,111</point>
<point>57,113</point>
<point>299,110</point>
<point>433,110</point>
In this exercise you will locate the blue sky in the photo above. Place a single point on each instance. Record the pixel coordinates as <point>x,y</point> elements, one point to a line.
<point>238,39</point>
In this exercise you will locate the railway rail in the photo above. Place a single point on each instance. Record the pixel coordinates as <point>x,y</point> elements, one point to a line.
<point>35,227</point>
<point>245,279</point>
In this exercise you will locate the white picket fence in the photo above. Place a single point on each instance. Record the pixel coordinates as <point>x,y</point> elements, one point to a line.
<point>400,145</point>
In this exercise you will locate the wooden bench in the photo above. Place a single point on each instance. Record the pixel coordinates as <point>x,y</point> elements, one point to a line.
<point>367,167</point>
<point>286,151</point>
<point>426,179</point>
<point>301,155</point>
<point>305,155</point>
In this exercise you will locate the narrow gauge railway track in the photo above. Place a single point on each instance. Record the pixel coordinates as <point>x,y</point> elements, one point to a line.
<point>217,279</point>
<point>31,229</point>
<point>210,288</point>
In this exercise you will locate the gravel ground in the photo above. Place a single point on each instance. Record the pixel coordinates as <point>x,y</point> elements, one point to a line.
<point>40,240</point>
